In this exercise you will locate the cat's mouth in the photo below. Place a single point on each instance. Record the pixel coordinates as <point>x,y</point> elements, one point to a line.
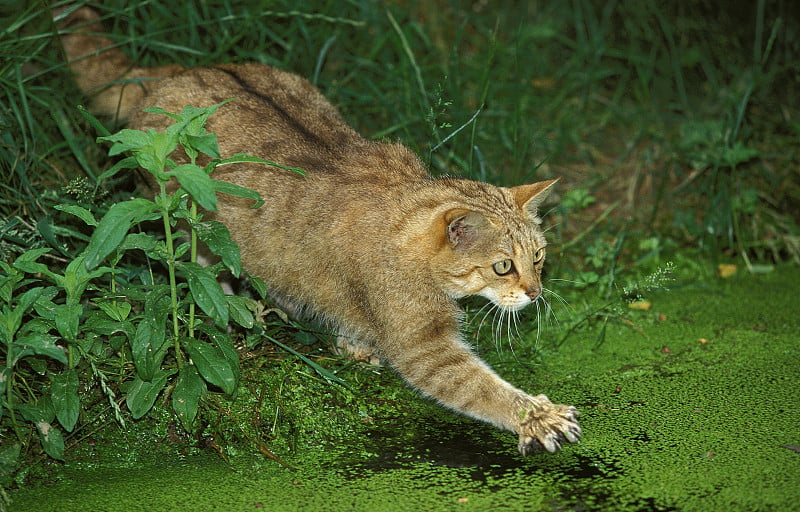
<point>510,303</point>
<point>516,305</point>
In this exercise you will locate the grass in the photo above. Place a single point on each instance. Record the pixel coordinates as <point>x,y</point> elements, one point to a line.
<point>672,126</point>
<point>655,106</point>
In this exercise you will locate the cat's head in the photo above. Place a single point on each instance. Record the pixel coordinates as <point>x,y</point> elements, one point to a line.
<point>496,249</point>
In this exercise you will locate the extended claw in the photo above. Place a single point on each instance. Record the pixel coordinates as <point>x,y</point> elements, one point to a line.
<point>547,426</point>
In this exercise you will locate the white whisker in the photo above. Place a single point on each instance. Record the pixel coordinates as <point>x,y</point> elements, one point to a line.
<point>509,338</point>
<point>482,321</point>
<point>506,324</point>
<point>497,326</point>
<point>515,317</point>
<point>571,281</point>
<point>549,312</point>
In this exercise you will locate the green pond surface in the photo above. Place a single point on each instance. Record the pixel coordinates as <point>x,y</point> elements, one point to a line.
<point>691,405</point>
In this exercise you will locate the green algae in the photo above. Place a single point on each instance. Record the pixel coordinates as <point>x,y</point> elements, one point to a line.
<point>694,407</point>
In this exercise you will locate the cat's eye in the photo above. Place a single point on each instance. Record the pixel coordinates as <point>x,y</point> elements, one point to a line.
<point>538,256</point>
<point>502,268</point>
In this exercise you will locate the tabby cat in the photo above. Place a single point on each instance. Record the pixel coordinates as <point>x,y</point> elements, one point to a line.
<point>367,242</point>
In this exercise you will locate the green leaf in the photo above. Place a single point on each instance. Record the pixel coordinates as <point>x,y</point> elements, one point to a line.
<point>33,267</point>
<point>198,184</point>
<point>27,299</point>
<point>142,394</point>
<point>241,310</point>
<point>159,110</point>
<point>241,158</point>
<point>192,120</point>
<point>68,319</point>
<point>223,341</point>
<point>182,249</point>
<point>38,344</point>
<point>322,372</point>
<point>114,226</point>
<point>142,241</point>
<point>117,310</point>
<point>126,163</point>
<point>189,389</point>
<point>152,247</point>
<point>218,239</point>
<point>189,128</point>
<point>45,228</point>
<point>44,305</point>
<point>236,190</point>
<point>78,211</point>
<point>96,124</point>
<point>11,319</point>
<point>99,322</point>
<point>77,277</point>
<point>38,365</point>
<point>126,140</point>
<point>26,262</point>
<point>206,143</point>
<point>149,345</point>
<point>31,255</point>
<point>52,440</point>
<point>206,291</point>
<point>64,395</point>
<point>258,285</point>
<point>737,154</point>
<point>42,415</point>
<point>212,364</point>
<point>147,331</point>
<point>42,412</point>
<point>154,157</point>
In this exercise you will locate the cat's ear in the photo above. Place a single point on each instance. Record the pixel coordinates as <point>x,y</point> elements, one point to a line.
<point>530,197</point>
<point>464,228</point>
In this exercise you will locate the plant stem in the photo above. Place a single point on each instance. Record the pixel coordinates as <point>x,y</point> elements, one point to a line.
<point>193,250</point>
<point>173,287</point>
<point>10,389</point>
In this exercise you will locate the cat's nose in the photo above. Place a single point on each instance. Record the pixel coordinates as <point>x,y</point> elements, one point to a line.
<point>534,293</point>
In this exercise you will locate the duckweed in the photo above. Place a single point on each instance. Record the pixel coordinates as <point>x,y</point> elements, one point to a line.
<point>695,408</point>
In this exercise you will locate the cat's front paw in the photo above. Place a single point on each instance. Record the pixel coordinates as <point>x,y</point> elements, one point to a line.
<point>544,426</point>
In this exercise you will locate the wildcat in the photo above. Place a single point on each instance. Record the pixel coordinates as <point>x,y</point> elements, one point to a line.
<point>367,242</point>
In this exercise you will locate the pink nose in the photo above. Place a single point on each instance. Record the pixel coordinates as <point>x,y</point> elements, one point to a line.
<point>534,293</point>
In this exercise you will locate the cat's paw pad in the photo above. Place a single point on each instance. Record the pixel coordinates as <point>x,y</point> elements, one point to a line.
<point>544,426</point>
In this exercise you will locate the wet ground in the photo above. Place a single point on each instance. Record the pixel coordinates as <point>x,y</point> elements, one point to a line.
<point>693,404</point>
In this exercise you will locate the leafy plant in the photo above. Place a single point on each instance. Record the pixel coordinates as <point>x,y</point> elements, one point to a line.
<point>59,325</point>
<point>203,353</point>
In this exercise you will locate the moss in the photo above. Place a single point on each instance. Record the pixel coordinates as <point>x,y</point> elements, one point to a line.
<point>693,409</point>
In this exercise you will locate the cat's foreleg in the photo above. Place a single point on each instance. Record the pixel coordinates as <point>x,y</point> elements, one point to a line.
<point>439,364</point>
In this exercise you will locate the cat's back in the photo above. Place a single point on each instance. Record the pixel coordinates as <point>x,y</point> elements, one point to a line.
<point>279,116</point>
<point>274,114</point>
